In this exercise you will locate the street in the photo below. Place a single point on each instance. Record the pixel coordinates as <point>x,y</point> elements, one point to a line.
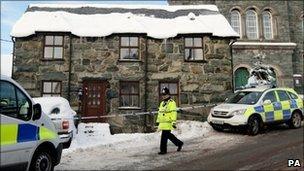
<point>209,151</point>
<point>269,151</point>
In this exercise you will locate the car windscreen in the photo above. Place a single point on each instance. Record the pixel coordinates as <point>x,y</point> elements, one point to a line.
<point>244,97</point>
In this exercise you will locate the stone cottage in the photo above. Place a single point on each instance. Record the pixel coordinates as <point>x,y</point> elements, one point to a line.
<point>269,29</point>
<point>115,59</point>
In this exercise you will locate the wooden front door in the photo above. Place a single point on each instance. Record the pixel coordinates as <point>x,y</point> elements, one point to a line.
<point>94,100</point>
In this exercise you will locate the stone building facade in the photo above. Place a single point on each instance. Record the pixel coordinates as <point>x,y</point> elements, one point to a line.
<point>279,37</point>
<point>95,66</point>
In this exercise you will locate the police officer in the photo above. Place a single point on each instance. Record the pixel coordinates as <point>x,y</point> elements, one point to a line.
<point>166,120</point>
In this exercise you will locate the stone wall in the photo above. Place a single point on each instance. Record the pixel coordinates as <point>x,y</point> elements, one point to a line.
<point>287,25</point>
<point>199,82</point>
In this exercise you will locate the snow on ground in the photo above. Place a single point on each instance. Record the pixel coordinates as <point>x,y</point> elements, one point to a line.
<point>95,148</point>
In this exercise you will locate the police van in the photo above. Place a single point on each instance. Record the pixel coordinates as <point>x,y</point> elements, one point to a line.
<point>254,107</point>
<point>29,140</point>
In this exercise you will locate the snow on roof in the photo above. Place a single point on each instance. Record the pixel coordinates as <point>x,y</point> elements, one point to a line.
<point>266,43</point>
<point>172,8</point>
<point>57,18</point>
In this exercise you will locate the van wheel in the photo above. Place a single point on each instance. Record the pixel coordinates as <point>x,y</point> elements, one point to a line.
<point>42,161</point>
<point>295,120</point>
<point>253,126</point>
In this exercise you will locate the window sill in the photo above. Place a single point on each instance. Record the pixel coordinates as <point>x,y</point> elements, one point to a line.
<point>129,60</point>
<point>196,61</point>
<point>52,59</point>
<point>129,108</point>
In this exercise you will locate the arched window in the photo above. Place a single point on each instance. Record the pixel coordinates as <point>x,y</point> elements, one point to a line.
<point>235,19</point>
<point>267,25</point>
<point>251,24</point>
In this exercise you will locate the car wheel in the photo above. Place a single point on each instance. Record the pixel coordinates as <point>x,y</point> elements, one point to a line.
<point>253,126</point>
<point>42,161</point>
<point>295,120</point>
<point>218,128</point>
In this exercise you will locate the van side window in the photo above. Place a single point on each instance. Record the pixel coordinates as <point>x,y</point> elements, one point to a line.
<point>270,96</point>
<point>283,95</point>
<point>13,102</point>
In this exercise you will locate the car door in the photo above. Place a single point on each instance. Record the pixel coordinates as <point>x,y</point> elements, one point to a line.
<point>270,110</point>
<point>18,132</point>
<point>285,102</point>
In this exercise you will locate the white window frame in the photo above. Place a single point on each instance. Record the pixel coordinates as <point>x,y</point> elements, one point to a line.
<point>270,27</point>
<point>232,21</point>
<point>256,25</point>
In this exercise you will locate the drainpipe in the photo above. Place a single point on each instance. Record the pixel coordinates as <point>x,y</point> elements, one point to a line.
<point>146,75</point>
<point>70,68</point>
<point>231,54</point>
<point>13,58</point>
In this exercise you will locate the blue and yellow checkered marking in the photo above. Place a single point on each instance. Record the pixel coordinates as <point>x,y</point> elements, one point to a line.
<point>277,110</point>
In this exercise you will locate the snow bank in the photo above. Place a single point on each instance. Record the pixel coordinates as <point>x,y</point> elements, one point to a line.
<point>101,25</point>
<point>96,134</point>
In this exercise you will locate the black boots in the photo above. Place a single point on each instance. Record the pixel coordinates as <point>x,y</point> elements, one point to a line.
<point>179,148</point>
<point>161,153</point>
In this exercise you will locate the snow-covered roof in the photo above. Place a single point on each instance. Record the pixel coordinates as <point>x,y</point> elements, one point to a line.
<point>96,20</point>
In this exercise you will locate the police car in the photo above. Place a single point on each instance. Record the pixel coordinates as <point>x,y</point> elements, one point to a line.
<point>251,108</point>
<point>28,137</point>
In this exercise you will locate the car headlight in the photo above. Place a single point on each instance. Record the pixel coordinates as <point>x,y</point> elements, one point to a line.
<point>238,112</point>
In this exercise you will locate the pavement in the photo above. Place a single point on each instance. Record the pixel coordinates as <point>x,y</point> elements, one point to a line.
<point>268,151</point>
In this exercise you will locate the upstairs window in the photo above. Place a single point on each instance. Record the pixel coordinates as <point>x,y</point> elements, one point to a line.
<point>129,94</point>
<point>235,19</point>
<point>51,88</point>
<point>267,25</point>
<point>53,47</point>
<point>194,49</point>
<point>129,48</point>
<point>251,24</point>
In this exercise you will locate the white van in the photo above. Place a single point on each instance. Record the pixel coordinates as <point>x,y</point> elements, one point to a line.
<point>28,137</point>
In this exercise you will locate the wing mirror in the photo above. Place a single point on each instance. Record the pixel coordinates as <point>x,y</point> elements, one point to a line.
<point>37,111</point>
<point>266,102</point>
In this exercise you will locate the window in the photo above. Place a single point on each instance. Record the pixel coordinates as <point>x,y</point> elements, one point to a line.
<point>129,48</point>
<point>283,95</point>
<point>267,25</point>
<point>129,94</point>
<point>292,95</point>
<point>270,96</point>
<point>51,88</point>
<point>251,24</point>
<point>193,49</point>
<point>53,47</point>
<point>236,21</point>
<point>13,102</point>
<point>173,88</point>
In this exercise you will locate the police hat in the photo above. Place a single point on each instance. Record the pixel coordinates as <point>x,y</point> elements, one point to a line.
<point>165,91</point>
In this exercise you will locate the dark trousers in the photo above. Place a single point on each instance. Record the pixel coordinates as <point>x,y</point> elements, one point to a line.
<point>166,134</point>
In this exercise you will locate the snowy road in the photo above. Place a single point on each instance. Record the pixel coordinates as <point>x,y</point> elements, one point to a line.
<point>139,151</point>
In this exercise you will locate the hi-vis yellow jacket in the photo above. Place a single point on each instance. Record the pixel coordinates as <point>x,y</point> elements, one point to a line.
<point>167,115</point>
